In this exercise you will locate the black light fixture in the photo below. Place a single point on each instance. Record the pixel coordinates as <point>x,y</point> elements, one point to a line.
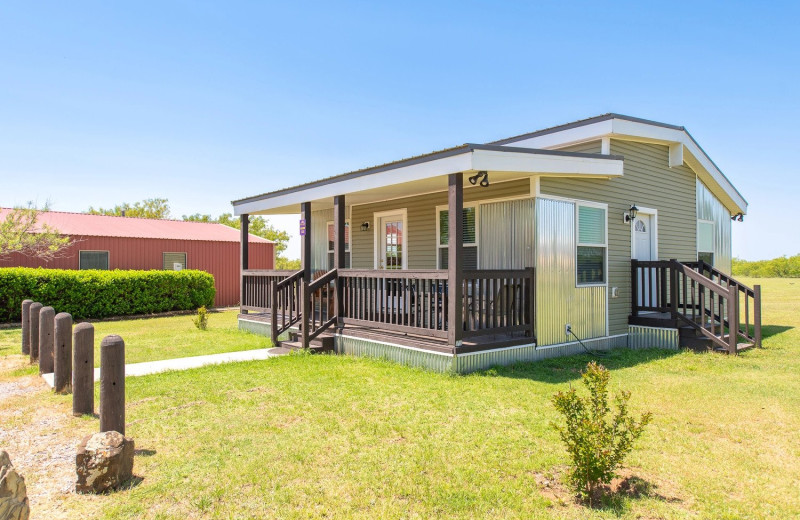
<point>365,226</point>
<point>738,217</point>
<point>630,216</point>
<point>483,175</point>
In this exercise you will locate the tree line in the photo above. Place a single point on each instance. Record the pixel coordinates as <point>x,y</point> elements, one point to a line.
<point>781,267</point>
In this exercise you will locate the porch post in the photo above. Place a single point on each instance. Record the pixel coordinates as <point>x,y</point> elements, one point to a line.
<point>244,258</point>
<point>305,261</point>
<point>339,245</point>
<point>455,250</point>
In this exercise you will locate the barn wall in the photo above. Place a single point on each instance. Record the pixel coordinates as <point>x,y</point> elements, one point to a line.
<point>221,259</point>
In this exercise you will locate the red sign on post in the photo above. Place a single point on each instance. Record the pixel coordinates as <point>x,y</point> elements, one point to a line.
<point>302,227</point>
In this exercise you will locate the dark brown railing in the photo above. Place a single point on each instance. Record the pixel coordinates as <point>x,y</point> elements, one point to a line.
<point>257,288</point>
<point>700,296</point>
<point>322,298</point>
<point>411,301</point>
<point>499,302</point>
<point>287,310</point>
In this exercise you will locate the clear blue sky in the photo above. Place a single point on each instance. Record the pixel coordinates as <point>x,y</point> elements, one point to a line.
<point>202,103</point>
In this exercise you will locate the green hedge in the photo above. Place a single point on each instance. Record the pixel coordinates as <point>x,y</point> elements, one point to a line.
<point>99,294</point>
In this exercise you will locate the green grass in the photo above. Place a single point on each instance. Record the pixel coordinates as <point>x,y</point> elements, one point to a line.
<point>150,339</point>
<point>340,437</point>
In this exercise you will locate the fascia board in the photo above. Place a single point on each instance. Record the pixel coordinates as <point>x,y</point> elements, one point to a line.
<point>511,162</point>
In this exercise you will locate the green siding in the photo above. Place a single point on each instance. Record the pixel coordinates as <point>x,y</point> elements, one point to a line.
<point>649,182</point>
<point>421,232</point>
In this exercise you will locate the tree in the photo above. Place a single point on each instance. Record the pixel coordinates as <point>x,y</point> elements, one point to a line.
<point>19,233</point>
<point>148,208</point>
<point>259,226</point>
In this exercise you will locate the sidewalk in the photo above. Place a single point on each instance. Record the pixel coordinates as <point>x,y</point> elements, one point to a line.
<point>154,367</point>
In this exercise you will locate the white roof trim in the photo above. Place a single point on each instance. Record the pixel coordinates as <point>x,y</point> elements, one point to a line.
<point>694,156</point>
<point>468,161</point>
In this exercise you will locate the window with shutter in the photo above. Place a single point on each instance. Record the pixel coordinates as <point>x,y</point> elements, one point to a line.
<point>470,238</point>
<point>590,252</point>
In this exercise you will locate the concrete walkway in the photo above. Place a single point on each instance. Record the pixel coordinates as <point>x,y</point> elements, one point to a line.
<point>154,367</point>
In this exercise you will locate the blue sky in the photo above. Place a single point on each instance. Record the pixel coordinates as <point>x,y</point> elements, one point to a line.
<point>205,102</point>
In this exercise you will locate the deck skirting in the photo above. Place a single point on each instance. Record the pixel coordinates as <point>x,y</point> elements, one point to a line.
<point>640,336</point>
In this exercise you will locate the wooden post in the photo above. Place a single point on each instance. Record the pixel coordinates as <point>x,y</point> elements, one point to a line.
<point>83,369</point>
<point>62,367</point>
<point>339,257</point>
<point>34,311</point>
<point>733,319</point>
<point>455,258</point>
<point>244,258</point>
<point>305,260</point>
<point>112,384</point>
<point>757,314</point>
<point>26,326</point>
<point>46,317</point>
<point>532,301</point>
<point>673,287</point>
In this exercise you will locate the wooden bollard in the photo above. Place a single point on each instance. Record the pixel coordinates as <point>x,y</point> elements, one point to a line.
<point>26,326</point>
<point>46,324</point>
<point>62,354</point>
<point>112,384</point>
<point>83,369</point>
<point>33,333</point>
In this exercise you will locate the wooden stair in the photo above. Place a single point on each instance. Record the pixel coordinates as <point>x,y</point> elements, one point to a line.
<point>319,345</point>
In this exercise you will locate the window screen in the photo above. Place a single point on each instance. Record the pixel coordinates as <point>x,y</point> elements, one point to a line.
<point>174,261</point>
<point>93,260</point>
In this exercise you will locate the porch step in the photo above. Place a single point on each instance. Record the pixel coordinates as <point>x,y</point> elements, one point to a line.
<point>322,343</point>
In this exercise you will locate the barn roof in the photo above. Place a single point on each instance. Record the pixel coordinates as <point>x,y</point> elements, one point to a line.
<point>82,224</point>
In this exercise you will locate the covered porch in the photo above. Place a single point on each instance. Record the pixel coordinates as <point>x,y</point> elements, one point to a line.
<point>393,254</point>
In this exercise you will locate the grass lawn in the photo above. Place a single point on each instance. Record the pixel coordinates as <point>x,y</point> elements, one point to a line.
<point>340,437</point>
<point>150,339</point>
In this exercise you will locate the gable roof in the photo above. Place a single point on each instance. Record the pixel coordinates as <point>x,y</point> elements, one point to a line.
<point>82,224</point>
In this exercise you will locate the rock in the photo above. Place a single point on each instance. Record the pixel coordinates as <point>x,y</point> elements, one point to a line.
<point>13,495</point>
<point>104,461</point>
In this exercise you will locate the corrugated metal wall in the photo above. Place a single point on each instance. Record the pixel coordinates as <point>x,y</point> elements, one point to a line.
<point>652,337</point>
<point>507,235</point>
<point>558,300</point>
<point>221,259</point>
<point>710,208</point>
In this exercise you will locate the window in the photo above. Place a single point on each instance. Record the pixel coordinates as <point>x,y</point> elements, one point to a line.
<point>470,238</point>
<point>93,260</point>
<point>705,241</point>
<point>174,261</point>
<point>591,245</point>
<point>331,236</point>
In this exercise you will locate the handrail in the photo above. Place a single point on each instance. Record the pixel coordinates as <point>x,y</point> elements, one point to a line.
<point>408,274</point>
<point>286,297</point>
<point>321,295</point>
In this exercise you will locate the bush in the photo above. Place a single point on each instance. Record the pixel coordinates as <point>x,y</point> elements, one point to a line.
<point>99,294</point>
<point>781,267</point>
<point>201,320</point>
<point>596,445</point>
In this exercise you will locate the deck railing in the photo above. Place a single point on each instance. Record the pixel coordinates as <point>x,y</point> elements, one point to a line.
<point>257,287</point>
<point>499,301</point>
<point>716,304</point>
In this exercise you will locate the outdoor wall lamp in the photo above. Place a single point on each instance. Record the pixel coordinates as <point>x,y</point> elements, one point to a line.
<point>738,217</point>
<point>484,176</point>
<point>365,226</point>
<point>630,216</point>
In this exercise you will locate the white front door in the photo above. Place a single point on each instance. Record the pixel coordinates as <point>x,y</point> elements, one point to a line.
<point>391,249</point>
<point>644,250</point>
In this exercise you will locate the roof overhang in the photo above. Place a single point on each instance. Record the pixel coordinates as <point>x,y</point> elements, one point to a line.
<point>683,147</point>
<point>428,173</point>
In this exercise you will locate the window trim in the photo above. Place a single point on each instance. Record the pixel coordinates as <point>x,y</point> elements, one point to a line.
<point>346,249</point>
<point>578,243</point>
<point>475,204</point>
<point>106,251</point>
<point>185,257</point>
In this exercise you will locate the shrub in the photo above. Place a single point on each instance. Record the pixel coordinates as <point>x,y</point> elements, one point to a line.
<point>99,294</point>
<point>201,320</point>
<point>781,267</point>
<point>596,444</point>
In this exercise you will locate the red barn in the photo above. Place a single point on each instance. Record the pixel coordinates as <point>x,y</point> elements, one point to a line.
<point>105,242</point>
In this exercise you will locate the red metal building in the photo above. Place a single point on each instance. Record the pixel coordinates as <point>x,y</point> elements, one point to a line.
<point>105,242</point>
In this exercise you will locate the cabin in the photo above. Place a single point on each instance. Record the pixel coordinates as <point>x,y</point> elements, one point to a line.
<point>609,232</point>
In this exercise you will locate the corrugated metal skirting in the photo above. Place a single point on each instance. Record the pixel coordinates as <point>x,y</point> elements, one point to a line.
<point>652,337</point>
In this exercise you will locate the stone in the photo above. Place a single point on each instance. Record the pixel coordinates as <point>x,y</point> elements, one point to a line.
<point>104,461</point>
<point>13,494</point>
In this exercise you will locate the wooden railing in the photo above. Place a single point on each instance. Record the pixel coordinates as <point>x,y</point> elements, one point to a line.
<point>499,302</point>
<point>411,301</point>
<point>322,298</point>
<point>700,296</point>
<point>257,288</point>
<point>287,308</point>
